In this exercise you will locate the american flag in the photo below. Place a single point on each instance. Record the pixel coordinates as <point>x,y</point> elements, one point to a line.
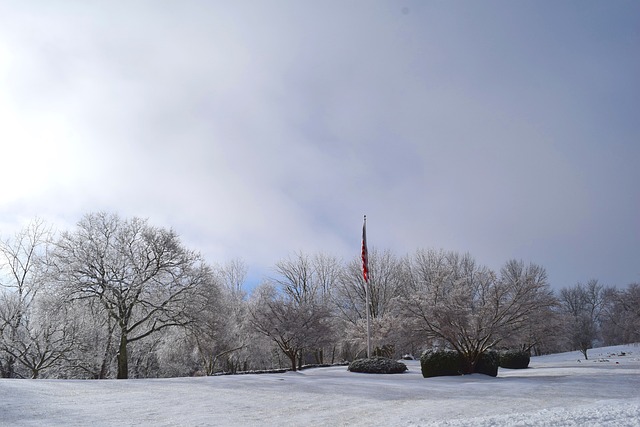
<point>365,254</point>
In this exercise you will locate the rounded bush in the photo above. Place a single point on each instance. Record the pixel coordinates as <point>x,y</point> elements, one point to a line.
<point>515,359</point>
<point>440,362</point>
<point>488,363</point>
<point>377,365</point>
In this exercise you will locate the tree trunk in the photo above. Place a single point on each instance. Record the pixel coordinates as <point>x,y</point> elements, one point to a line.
<point>584,352</point>
<point>292,358</point>
<point>123,360</point>
<point>8,370</point>
<point>470,361</point>
<point>104,366</point>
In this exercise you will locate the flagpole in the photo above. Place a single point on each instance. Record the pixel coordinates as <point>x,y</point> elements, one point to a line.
<point>365,273</point>
<point>366,285</point>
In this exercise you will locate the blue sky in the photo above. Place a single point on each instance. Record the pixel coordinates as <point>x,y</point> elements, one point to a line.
<point>258,129</point>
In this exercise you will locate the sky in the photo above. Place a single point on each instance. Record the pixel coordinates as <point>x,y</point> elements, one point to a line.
<point>556,390</point>
<point>508,130</point>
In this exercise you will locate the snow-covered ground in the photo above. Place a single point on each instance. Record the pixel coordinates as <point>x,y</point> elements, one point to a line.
<point>556,390</point>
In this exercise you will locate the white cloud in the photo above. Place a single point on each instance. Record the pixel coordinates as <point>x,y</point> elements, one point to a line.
<point>260,129</point>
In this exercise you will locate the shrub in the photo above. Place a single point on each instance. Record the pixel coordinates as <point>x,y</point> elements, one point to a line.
<point>440,362</point>
<point>515,359</point>
<point>488,363</point>
<point>377,365</point>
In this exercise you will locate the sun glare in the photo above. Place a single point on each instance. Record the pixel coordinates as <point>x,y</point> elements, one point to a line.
<point>32,150</point>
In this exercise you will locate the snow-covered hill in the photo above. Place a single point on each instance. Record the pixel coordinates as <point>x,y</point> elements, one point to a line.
<point>559,389</point>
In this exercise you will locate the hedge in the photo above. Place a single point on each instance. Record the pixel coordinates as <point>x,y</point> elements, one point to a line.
<point>515,359</point>
<point>377,365</point>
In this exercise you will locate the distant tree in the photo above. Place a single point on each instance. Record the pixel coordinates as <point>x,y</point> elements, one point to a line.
<point>291,325</point>
<point>219,327</point>
<point>141,275</point>
<point>630,301</point>
<point>583,307</point>
<point>22,277</point>
<point>621,315</point>
<point>349,303</point>
<point>542,333</point>
<point>306,283</point>
<point>461,305</point>
<point>537,330</point>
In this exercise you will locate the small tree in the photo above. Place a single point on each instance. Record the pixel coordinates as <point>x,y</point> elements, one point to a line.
<point>583,307</point>
<point>291,324</point>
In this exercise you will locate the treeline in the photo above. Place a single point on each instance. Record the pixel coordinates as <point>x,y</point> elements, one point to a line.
<point>120,298</point>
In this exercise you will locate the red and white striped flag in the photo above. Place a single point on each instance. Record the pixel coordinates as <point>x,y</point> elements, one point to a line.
<point>365,253</point>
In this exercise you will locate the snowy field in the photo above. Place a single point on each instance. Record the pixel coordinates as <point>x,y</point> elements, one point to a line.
<point>556,390</point>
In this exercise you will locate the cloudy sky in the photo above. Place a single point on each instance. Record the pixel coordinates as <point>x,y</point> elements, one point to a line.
<point>257,129</point>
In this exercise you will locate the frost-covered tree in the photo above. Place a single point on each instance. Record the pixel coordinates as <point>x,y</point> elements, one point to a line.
<point>292,324</point>
<point>94,353</point>
<point>583,307</point>
<point>142,276</point>
<point>621,317</point>
<point>22,275</point>
<point>219,329</point>
<point>453,301</point>
<point>349,303</point>
<point>538,327</point>
<point>45,339</point>
<point>306,283</point>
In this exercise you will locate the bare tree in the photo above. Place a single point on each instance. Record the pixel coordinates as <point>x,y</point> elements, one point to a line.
<point>297,278</point>
<point>306,282</point>
<point>142,276</point>
<point>45,338</point>
<point>583,306</point>
<point>95,342</point>
<point>629,299</point>
<point>621,319</point>
<point>327,271</point>
<point>22,276</point>
<point>291,324</point>
<point>538,327</point>
<point>219,327</point>
<point>349,302</point>
<point>454,302</point>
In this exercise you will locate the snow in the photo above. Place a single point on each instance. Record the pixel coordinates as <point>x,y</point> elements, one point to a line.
<point>560,389</point>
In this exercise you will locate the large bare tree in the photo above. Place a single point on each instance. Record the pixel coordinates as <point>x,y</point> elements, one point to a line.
<point>143,277</point>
